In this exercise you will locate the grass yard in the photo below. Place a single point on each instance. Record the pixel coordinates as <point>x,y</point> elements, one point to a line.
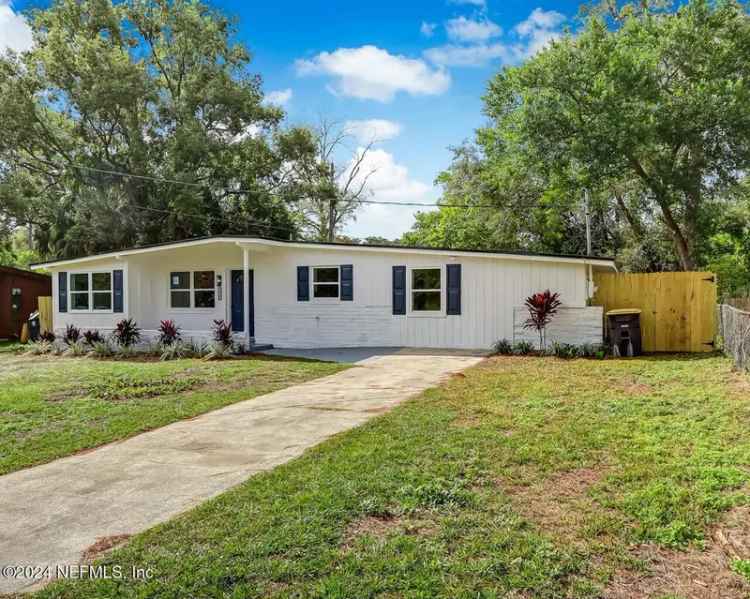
<point>53,406</point>
<point>524,478</point>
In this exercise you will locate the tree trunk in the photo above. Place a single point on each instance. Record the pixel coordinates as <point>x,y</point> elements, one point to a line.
<point>682,245</point>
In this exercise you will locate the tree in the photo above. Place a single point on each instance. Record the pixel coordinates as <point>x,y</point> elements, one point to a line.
<point>332,182</point>
<point>652,98</point>
<point>155,89</point>
<point>499,202</point>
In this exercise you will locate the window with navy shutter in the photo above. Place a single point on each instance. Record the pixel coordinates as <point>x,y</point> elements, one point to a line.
<point>399,289</point>
<point>453,274</point>
<point>347,282</point>
<point>118,299</point>
<point>303,283</point>
<point>62,292</point>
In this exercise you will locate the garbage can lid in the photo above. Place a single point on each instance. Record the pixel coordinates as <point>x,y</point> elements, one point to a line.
<point>34,315</point>
<point>623,311</point>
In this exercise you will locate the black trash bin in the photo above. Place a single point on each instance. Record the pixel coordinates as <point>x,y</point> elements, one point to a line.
<point>34,326</point>
<point>624,331</point>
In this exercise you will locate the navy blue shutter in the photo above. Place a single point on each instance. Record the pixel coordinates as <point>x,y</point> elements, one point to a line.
<point>62,292</point>
<point>347,282</point>
<point>303,283</point>
<point>399,290</point>
<point>453,274</point>
<point>117,292</point>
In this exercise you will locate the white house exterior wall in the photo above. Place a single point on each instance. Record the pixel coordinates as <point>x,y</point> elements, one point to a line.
<point>490,288</point>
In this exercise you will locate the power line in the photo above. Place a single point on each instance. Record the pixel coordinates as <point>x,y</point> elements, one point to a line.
<point>249,191</point>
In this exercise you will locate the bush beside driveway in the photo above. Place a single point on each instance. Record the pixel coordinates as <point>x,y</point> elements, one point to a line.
<point>523,477</point>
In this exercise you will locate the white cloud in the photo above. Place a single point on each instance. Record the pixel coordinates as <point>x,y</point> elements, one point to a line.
<point>370,130</point>
<point>427,29</point>
<point>462,29</point>
<point>468,56</point>
<point>525,39</point>
<point>539,29</point>
<point>390,182</point>
<point>280,97</point>
<point>368,72</point>
<point>15,33</point>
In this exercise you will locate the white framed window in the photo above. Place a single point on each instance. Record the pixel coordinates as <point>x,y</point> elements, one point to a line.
<point>192,289</point>
<point>325,282</point>
<point>90,291</point>
<point>427,289</point>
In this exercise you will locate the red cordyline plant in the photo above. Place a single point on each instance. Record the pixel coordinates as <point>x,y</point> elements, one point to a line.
<point>169,332</point>
<point>542,307</point>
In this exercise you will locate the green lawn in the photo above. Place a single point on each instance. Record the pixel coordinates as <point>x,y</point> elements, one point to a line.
<point>54,406</point>
<point>528,477</point>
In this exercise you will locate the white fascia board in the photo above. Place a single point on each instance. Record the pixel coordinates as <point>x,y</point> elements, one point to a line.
<point>322,246</point>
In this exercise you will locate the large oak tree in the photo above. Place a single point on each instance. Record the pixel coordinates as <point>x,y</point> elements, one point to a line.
<point>157,89</point>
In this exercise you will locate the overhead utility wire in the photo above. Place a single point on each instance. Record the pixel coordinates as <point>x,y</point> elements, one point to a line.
<point>248,191</point>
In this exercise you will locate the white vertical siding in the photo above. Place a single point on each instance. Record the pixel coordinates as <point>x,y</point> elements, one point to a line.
<point>491,288</point>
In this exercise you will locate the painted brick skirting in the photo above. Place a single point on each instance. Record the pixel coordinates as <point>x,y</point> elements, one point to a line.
<point>569,325</point>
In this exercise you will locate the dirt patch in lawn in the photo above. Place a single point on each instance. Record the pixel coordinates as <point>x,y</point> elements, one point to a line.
<point>375,526</point>
<point>102,546</point>
<point>380,527</point>
<point>125,387</point>
<point>559,505</point>
<point>692,574</point>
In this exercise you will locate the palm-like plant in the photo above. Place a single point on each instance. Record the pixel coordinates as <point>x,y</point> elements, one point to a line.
<point>542,307</point>
<point>169,332</point>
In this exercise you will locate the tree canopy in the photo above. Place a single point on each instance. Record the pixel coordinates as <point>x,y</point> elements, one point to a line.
<point>156,89</point>
<point>645,107</point>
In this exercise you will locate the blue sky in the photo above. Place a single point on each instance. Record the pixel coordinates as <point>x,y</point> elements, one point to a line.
<point>410,73</point>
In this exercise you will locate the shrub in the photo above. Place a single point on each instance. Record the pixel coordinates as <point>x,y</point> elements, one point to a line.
<point>169,332</point>
<point>76,348</point>
<point>542,308</point>
<point>126,333</point>
<point>92,337</point>
<point>124,351</point>
<point>47,336</point>
<point>222,332</point>
<point>41,347</point>
<point>523,348</point>
<point>72,334</point>
<point>176,351</point>
<point>198,348</point>
<point>503,347</point>
<point>565,351</point>
<point>222,341</point>
<point>101,349</point>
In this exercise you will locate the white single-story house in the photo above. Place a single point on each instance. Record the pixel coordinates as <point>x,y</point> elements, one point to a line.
<point>317,295</point>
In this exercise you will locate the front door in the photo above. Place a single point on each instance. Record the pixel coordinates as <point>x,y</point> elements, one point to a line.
<point>238,299</point>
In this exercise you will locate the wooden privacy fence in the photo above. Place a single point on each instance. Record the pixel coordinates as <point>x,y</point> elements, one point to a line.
<point>45,313</point>
<point>678,309</point>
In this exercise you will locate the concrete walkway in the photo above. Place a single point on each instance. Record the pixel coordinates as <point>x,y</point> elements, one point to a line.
<point>50,514</point>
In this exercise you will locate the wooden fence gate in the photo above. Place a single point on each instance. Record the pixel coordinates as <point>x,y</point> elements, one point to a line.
<point>678,309</point>
<point>45,313</point>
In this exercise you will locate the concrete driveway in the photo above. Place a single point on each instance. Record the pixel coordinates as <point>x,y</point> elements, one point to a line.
<point>50,514</point>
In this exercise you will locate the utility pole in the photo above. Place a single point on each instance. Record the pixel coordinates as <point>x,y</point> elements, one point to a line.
<point>588,221</point>
<point>590,270</point>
